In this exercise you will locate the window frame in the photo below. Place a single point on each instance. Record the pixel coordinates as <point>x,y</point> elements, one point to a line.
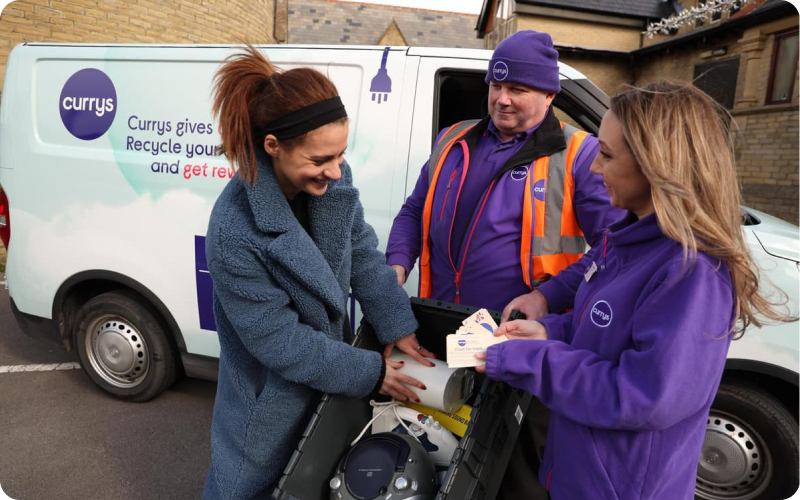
<point>773,67</point>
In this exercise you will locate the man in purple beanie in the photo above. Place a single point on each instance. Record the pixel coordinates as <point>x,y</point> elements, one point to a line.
<point>502,205</point>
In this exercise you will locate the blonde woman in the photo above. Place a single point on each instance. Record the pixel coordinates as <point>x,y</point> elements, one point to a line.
<point>631,372</point>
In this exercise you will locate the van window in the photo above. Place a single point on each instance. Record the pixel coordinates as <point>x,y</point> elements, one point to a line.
<point>464,95</point>
<point>460,95</point>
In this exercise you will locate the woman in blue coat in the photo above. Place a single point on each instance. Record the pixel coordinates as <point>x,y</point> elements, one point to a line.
<point>286,242</point>
<point>631,372</point>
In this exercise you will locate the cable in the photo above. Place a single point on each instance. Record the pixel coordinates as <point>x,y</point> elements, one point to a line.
<point>391,404</point>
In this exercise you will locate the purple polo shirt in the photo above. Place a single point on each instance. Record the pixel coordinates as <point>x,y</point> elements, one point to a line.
<point>491,275</point>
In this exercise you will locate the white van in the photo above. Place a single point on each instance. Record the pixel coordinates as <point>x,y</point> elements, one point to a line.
<point>109,170</point>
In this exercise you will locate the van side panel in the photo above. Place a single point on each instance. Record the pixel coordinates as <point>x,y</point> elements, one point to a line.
<point>119,169</point>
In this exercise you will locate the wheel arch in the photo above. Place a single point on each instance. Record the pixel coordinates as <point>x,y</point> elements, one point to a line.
<point>82,287</point>
<point>778,381</point>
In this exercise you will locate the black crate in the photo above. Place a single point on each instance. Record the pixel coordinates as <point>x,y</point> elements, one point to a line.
<point>479,462</point>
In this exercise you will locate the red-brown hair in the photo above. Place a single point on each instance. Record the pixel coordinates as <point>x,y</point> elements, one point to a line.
<point>249,93</point>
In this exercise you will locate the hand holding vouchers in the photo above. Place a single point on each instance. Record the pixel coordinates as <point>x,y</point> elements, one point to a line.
<point>475,336</point>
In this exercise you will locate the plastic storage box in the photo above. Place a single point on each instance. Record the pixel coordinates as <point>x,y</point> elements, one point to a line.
<point>479,462</point>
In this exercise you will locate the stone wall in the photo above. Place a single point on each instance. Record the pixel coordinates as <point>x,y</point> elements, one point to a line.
<point>768,141</point>
<point>134,21</point>
<point>578,33</point>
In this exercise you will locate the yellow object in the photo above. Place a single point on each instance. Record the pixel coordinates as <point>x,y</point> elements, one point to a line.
<point>454,422</point>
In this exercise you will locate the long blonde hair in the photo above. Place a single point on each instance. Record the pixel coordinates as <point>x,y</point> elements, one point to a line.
<point>683,143</point>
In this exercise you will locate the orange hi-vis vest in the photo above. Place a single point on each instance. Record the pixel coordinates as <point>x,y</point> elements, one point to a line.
<point>551,236</point>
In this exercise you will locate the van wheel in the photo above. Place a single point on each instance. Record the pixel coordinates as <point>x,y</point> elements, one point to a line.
<point>123,347</point>
<point>750,449</point>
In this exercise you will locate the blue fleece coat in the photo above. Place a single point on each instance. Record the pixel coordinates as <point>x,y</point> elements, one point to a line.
<point>280,297</point>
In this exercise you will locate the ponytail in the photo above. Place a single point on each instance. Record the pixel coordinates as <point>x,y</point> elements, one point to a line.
<point>237,85</point>
<point>249,93</point>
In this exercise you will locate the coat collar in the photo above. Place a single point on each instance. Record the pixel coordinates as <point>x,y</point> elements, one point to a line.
<point>313,260</point>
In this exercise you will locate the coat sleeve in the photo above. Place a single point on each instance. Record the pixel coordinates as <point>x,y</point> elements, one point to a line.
<point>558,326</point>
<point>384,303</point>
<point>262,315</point>
<point>591,202</point>
<point>670,371</point>
<point>560,290</point>
<point>405,238</point>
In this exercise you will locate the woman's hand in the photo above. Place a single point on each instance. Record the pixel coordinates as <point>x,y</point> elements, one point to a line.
<point>393,383</point>
<point>522,329</point>
<point>411,346</point>
<point>533,305</point>
<point>481,357</point>
<point>515,330</point>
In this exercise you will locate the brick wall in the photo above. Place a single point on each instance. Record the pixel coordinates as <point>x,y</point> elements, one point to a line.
<point>607,73</point>
<point>768,163</point>
<point>588,35</point>
<point>768,139</point>
<point>134,21</point>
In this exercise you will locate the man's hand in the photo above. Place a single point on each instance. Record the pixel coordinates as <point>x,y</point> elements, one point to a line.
<point>410,345</point>
<point>533,305</point>
<point>522,329</point>
<point>401,274</point>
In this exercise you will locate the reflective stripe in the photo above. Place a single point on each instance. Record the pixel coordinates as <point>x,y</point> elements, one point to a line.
<point>556,238</point>
<point>551,237</point>
<point>453,132</point>
<point>435,163</point>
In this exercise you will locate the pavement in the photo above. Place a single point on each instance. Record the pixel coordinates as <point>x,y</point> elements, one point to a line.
<point>62,437</point>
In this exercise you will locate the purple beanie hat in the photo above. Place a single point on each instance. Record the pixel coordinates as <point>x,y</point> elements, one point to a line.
<point>528,58</point>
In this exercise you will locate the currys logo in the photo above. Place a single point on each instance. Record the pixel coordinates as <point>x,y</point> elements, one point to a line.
<point>539,190</point>
<point>500,71</point>
<point>462,343</point>
<point>601,314</point>
<point>519,173</point>
<point>88,104</point>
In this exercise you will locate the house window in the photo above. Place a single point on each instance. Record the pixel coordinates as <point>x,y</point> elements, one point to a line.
<point>718,79</point>
<point>784,68</point>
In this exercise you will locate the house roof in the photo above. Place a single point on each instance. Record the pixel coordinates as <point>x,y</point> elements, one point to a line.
<point>627,8</point>
<point>361,23</point>
<point>641,9</point>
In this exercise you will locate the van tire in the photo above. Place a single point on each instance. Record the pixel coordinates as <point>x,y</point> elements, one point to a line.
<point>752,442</point>
<point>123,347</point>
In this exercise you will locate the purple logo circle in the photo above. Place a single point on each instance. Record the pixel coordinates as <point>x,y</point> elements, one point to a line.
<point>519,173</point>
<point>462,343</point>
<point>500,71</point>
<point>539,190</point>
<point>88,104</point>
<point>601,314</point>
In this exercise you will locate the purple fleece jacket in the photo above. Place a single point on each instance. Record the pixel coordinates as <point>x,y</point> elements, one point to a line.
<point>631,372</point>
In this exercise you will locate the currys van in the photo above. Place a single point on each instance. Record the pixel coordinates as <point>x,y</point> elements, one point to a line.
<point>109,168</point>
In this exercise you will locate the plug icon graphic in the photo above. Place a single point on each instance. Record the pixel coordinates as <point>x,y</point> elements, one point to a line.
<point>381,83</point>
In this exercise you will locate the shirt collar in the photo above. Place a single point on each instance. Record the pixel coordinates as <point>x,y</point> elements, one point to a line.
<point>491,129</point>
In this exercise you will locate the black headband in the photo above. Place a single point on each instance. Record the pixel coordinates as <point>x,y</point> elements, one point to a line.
<point>306,119</point>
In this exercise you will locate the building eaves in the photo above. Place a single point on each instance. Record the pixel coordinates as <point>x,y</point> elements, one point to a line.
<point>769,11</point>
<point>649,9</point>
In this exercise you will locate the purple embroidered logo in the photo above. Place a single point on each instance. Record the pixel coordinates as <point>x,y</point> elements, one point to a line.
<point>539,190</point>
<point>601,314</point>
<point>88,104</point>
<point>462,343</point>
<point>500,71</point>
<point>519,173</point>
